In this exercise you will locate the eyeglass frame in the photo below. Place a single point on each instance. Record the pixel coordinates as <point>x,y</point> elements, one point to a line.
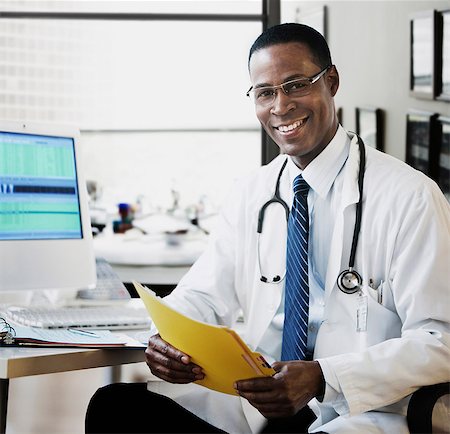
<point>311,81</point>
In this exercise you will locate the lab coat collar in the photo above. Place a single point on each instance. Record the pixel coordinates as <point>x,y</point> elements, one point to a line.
<point>323,170</point>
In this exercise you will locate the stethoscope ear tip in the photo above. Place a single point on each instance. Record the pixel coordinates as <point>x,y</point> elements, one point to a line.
<point>263,279</point>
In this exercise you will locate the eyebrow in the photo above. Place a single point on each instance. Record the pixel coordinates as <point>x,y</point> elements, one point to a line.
<point>290,78</point>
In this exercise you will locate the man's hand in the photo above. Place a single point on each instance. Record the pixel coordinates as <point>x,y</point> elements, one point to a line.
<point>170,364</point>
<point>285,393</point>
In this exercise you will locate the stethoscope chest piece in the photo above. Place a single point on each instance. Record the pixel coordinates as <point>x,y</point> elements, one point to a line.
<point>349,281</point>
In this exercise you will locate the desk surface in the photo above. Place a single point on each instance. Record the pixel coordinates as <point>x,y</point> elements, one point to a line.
<point>21,362</point>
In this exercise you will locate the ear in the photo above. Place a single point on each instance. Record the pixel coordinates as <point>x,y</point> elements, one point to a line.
<point>333,80</point>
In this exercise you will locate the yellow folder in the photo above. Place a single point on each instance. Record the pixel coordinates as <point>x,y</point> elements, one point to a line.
<point>218,350</point>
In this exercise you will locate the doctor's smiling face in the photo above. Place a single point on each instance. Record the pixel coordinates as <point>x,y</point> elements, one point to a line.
<point>300,119</point>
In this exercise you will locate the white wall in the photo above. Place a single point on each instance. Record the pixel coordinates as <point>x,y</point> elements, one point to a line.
<point>369,43</point>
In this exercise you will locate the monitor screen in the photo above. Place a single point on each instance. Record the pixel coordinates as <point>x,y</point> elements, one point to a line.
<point>39,191</point>
<point>45,233</point>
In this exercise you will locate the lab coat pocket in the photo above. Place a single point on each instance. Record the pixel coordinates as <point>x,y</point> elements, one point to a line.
<point>382,322</point>
<point>382,295</point>
<point>385,296</point>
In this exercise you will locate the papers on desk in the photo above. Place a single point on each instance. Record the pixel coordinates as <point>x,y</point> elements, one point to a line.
<point>23,335</point>
<point>218,350</point>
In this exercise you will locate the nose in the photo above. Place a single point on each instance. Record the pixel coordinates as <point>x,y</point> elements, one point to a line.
<point>282,103</point>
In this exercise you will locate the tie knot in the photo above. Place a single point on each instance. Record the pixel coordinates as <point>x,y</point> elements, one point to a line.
<point>301,187</point>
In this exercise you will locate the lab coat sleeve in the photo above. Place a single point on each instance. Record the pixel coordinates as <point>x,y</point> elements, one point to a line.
<point>207,291</point>
<point>418,276</point>
<point>333,392</point>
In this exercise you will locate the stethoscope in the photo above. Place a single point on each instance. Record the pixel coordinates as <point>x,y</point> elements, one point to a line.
<point>349,281</point>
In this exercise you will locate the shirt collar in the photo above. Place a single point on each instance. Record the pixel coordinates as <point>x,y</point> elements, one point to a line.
<point>323,170</point>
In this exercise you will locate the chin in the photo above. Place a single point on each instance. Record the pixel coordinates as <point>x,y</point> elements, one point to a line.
<point>293,150</point>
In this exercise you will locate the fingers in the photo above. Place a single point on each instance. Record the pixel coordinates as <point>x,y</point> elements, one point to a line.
<point>170,364</point>
<point>277,366</point>
<point>261,390</point>
<point>159,346</point>
<point>266,396</point>
<point>257,385</point>
<point>283,394</point>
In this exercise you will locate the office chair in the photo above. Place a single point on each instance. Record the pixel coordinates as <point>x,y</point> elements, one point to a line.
<point>420,410</point>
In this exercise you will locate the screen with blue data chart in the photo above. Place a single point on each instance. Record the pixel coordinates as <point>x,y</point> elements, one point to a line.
<point>38,188</point>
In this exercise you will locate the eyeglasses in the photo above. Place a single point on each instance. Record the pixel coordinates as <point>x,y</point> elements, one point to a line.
<point>266,95</point>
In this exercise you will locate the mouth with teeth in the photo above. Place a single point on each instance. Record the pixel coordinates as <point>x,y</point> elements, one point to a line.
<point>288,129</point>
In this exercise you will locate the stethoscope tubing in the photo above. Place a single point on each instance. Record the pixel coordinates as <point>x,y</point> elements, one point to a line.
<point>276,198</point>
<point>359,205</point>
<point>348,281</point>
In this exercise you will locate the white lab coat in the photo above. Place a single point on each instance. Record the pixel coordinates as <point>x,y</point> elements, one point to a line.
<point>404,242</point>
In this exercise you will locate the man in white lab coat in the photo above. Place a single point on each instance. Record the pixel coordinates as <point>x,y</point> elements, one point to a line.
<point>367,350</point>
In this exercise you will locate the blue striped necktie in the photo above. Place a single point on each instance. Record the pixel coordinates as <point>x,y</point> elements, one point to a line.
<point>296,305</point>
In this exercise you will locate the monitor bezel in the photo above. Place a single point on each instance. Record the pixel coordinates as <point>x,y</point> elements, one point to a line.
<point>51,264</point>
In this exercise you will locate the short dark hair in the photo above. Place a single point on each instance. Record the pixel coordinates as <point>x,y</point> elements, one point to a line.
<point>294,32</point>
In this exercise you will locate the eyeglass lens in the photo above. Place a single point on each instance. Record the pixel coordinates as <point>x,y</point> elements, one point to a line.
<point>294,88</point>
<point>266,95</point>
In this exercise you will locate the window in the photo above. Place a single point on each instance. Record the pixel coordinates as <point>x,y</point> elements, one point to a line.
<point>161,104</point>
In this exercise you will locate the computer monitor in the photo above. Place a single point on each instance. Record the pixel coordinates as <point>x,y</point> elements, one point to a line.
<point>45,231</point>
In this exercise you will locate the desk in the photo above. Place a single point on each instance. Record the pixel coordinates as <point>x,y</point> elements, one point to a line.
<point>21,362</point>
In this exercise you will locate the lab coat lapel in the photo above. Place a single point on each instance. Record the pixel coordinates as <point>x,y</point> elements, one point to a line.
<point>345,220</point>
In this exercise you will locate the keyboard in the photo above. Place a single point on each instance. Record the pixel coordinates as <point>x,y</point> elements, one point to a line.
<point>109,289</point>
<point>107,317</point>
